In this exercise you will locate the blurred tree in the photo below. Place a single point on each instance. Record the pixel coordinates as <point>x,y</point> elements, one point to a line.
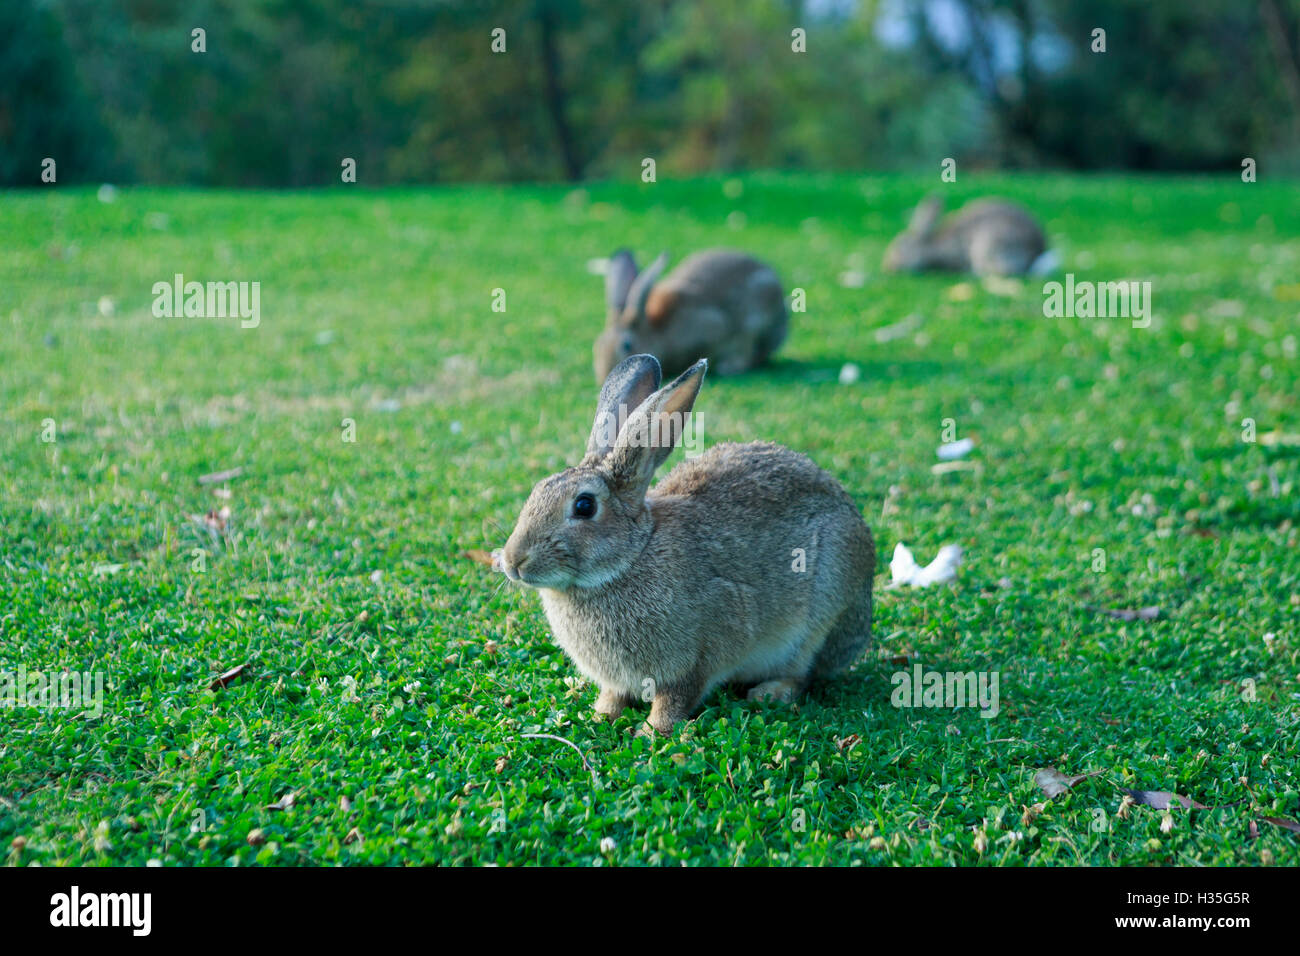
<point>44,109</point>
<point>413,90</point>
<point>1179,85</point>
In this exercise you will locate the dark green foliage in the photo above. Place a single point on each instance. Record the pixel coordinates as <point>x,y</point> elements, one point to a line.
<point>412,90</point>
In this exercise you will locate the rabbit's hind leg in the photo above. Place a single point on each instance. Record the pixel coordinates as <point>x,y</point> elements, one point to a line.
<point>847,640</point>
<point>611,703</point>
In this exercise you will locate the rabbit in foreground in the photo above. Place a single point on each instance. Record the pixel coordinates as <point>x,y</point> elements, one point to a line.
<point>719,303</point>
<point>747,564</point>
<point>986,237</point>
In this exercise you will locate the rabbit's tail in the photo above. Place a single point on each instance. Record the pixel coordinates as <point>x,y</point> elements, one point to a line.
<point>1046,264</point>
<point>849,637</point>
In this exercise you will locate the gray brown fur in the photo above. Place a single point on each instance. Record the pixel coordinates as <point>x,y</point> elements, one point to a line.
<point>986,237</point>
<point>693,584</point>
<point>721,304</point>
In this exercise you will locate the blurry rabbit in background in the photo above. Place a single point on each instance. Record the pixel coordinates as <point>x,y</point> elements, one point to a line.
<point>720,304</point>
<point>989,237</point>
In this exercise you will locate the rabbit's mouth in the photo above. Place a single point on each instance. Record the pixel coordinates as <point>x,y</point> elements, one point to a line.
<point>555,578</point>
<point>513,573</point>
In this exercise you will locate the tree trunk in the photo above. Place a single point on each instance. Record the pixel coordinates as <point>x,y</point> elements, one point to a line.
<point>556,97</point>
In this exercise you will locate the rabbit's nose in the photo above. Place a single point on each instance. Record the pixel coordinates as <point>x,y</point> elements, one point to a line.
<point>511,561</point>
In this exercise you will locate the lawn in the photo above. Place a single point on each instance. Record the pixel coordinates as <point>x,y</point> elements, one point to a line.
<point>389,681</point>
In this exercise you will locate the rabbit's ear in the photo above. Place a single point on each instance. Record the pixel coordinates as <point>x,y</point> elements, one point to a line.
<point>659,304</point>
<point>640,291</point>
<point>633,381</point>
<point>926,215</point>
<point>653,431</point>
<point>618,280</point>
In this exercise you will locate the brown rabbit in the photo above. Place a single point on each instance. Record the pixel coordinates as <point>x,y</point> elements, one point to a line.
<point>747,564</point>
<point>986,237</point>
<point>722,304</point>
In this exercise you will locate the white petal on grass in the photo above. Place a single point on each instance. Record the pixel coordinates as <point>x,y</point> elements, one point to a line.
<point>951,451</point>
<point>904,570</point>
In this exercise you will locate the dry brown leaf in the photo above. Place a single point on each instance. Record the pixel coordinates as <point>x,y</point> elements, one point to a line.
<point>848,743</point>
<point>478,556</point>
<point>284,803</point>
<point>1125,806</point>
<point>217,477</point>
<point>1031,812</point>
<point>1284,823</point>
<point>1054,783</point>
<point>228,677</point>
<point>500,764</point>
<point>1161,799</point>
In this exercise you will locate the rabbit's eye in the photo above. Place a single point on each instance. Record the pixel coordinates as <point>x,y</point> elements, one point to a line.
<point>584,506</point>
<point>626,345</point>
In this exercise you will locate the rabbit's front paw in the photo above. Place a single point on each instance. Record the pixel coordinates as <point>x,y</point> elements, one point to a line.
<point>611,703</point>
<point>672,704</point>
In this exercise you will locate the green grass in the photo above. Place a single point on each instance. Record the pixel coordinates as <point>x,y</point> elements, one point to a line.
<point>408,692</point>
